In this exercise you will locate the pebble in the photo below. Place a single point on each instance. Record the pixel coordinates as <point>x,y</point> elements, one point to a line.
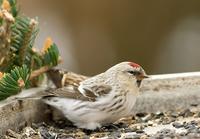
<point>141,114</point>
<point>130,136</point>
<point>194,104</point>
<point>182,133</point>
<point>159,113</point>
<point>130,130</point>
<point>186,113</point>
<point>147,117</point>
<point>177,125</point>
<point>150,123</point>
<point>46,134</point>
<point>198,114</point>
<point>167,120</point>
<point>12,134</point>
<point>115,134</point>
<point>164,133</point>
<point>144,137</point>
<point>174,114</point>
<point>139,131</point>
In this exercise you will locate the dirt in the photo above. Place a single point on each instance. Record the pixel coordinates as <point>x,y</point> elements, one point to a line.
<point>177,124</point>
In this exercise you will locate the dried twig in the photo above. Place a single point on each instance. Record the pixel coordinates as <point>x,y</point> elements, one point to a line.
<point>41,70</point>
<point>38,72</point>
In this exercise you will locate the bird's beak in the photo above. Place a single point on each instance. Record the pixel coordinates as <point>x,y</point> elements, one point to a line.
<point>142,76</point>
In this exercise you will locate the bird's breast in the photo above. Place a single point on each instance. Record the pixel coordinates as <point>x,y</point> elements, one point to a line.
<point>130,102</point>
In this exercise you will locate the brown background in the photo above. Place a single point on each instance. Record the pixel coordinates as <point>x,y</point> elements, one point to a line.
<point>161,35</point>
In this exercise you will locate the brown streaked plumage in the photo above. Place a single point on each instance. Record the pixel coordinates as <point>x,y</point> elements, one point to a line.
<point>74,93</point>
<point>91,102</point>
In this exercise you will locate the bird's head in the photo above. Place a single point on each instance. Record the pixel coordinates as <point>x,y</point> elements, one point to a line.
<point>128,73</point>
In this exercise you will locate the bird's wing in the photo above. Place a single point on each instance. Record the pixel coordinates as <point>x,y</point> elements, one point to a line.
<point>62,78</point>
<point>96,90</point>
<point>90,94</point>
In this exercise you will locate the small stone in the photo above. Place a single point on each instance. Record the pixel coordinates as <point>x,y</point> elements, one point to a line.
<point>186,113</point>
<point>131,135</point>
<point>45,133</point>
<point>119,125</point>
<point>174,114</point>
<point>198,114</point>
<point>147,117</point>
<point>139,131</point>
<point>116,134</point>
<point>28,131</point>
<point>193,135</point>
<point>141,114</point>
<point>129,130</point>
<point>159,114</point>
<point>190,127</point>
<point>34,126</point>
<point>150,123</point>
<point>144,137</point>
<point>194,109</point>
<point>167,120</point>
<point>194,104</point>
<point>194,122</point>
<point>66,137</point>
<point>138,127</point>
<point>182,133</point>
<point>177,125</point>
<point>12,134</point>
<point>157,121</point>
<point>166,133</point>
<point>154,124</point>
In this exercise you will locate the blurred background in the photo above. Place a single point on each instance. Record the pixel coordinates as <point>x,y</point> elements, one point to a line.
<point>161,35</point>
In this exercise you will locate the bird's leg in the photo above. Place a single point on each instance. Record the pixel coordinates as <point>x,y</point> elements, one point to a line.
<point>110,126</point>
<point>88,131</point>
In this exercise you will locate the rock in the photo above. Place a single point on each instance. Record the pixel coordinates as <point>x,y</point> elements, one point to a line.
<point>150,123</point>
<point>12,134</point>
<point>141,114</point>
<point>177,125</point>
<point>28,132</point>
<point>147,117</point>
<point>144,137</point>
<point>182,133</point>
<point>119,125</point>
<point>116,134</point>
<point>193,135</point>
<point>46,134</point>
<point>130,135</point>
<point>186,113</point>
<point>174,114</point>
<point>194,104</point>
<point>167,120</point>
<point>139,131</point>
<point>194,122</point>
<point>166,133</point>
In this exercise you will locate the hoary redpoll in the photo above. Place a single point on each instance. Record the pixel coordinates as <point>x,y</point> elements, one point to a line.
<point>101,99</point>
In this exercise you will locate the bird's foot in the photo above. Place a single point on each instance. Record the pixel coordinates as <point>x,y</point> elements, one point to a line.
<point>109,127</point>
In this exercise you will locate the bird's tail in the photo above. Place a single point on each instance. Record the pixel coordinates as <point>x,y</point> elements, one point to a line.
<point>34,93</point>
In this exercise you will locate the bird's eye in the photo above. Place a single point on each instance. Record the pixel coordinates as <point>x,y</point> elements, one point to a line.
<point>134,72</point>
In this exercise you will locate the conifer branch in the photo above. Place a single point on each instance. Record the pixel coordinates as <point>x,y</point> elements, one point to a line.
<point>26,42</point>
<point>21,66</point>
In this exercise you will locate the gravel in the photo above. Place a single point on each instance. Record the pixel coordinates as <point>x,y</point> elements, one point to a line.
<point>180,124</point>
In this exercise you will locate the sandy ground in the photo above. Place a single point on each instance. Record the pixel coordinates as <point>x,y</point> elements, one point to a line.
<point>183,124</point>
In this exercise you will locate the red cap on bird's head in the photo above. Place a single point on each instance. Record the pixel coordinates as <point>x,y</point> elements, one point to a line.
<point>134,65</point>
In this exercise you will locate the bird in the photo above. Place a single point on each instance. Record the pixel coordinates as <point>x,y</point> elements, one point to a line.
<point>101,99</point>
